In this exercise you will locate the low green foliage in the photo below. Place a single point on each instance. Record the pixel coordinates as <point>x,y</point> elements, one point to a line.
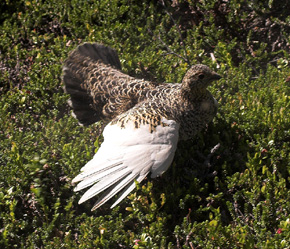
<point>233,196</point>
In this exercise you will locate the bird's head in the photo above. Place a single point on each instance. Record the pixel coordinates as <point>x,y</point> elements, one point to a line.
<point>199,77</point>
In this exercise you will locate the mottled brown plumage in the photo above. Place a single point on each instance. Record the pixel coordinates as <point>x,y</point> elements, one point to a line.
<point>100,91</point>
<point>146,119</point>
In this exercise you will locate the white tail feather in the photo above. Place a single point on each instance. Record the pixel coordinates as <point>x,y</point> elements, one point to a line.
<point>92,178</point>
<point>114,190</point>
<point>127,154</point>
<point>128,190</point>
<point>91,169</point>
<point>104,184</point>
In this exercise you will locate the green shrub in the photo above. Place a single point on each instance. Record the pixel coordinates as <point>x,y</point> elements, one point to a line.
<point>235,196</point>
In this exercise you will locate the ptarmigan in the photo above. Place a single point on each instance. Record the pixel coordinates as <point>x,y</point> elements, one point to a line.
<point>145,119</point>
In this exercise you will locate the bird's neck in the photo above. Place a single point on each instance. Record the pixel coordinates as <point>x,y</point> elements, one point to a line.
<point>192,92</point>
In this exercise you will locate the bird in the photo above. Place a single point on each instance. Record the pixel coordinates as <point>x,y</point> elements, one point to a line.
<point>143,120</point>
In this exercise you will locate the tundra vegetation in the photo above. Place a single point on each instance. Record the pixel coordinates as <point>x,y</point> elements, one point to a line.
<point>227,188</point>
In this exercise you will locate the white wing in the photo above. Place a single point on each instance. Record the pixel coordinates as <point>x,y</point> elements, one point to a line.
<point>127,154</point>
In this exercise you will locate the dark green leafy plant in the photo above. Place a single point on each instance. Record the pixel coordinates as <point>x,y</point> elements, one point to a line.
<point>231,195</point>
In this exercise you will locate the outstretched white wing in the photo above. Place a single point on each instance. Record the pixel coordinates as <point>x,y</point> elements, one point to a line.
<point>127,154</point>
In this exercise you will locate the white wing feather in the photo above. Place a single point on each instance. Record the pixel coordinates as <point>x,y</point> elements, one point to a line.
<point>127,154</point>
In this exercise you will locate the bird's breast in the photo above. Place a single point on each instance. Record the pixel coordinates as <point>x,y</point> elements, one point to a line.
<point>205,106</point>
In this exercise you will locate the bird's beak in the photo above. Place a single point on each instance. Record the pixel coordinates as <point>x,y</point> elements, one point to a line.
<point>216,76</point>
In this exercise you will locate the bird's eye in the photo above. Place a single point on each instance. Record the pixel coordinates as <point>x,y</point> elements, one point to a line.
<point>201,76</point>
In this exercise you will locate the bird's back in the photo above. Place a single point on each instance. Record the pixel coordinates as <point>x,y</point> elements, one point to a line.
<point>98,89</point>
